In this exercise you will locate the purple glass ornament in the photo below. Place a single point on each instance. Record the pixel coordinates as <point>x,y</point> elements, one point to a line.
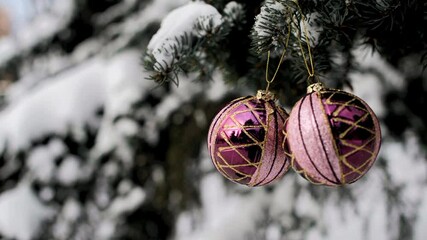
<point>334,136</point>
<point>245,141</point>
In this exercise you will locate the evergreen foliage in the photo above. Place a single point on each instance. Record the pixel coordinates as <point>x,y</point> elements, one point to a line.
<point>155,124</point>
<point>396,29</point>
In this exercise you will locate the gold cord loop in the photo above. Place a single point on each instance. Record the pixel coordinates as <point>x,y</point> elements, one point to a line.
<point>309,64</point>
<point>308,61</point>
<point>282,57</point>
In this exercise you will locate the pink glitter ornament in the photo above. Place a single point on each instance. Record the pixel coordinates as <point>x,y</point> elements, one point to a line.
<point>334,136</point>
<point>245,140</point>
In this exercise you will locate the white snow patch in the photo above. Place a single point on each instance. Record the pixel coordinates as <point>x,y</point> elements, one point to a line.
<point>307,206</point>
<point>225,215</point>
<point>370,59</point>
<point>123,89</point>
<point>217,88</point>
<point>273,232</point>
<point>56,147</point>
<point>134,24</point>
<point>344,218</point>
<point>127,127</point>
<point>105,230</point>
<point>69,171</point>
<point>369,88</point>
<point>42,27</point>
<point>69,100</point>
<point>126,82</point>
<point>261,22</point>
<point>233,11</point>
<point>127,203</point>
<point>69,215</point>
<point>21,213</point>
<point>41,164</point>
<point>71,210</point>
<point>405,157</point>
<point>420,231</point>
<point>340,223</point>
<point>282,200</point>
<point>41,160</point>
<point>176,24</point>
<point>46,194</point>
<point>179,95</point>
<point>124,187</point>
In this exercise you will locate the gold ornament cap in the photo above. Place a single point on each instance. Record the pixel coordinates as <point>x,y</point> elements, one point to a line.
<point>315,87</point>
<point>265,95</point>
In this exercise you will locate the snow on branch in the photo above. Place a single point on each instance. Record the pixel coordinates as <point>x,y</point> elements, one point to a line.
<point>234,13</point>
<point>271,26</point>
<point>22,213</point>
<point>174,42</point>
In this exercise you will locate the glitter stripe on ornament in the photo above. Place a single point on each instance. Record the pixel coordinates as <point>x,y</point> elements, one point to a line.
<point>328,147</point>
<point>280,134</point>
<point>314,157</point>
<point>270,160</point>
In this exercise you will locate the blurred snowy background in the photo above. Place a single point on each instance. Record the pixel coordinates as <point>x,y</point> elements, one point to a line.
<point>90,149</point>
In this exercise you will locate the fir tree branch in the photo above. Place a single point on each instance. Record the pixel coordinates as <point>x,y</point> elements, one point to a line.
<point>195,51</point>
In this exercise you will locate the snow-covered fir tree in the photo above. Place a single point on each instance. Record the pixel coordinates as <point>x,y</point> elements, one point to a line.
<point>106,105</point>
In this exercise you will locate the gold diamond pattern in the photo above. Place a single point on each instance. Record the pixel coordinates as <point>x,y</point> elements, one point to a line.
<point>255,111</point>
<point>335,116</point>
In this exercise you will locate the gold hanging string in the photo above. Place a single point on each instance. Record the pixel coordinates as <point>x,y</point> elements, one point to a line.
<point>282,57</point>
<point>308,62</point>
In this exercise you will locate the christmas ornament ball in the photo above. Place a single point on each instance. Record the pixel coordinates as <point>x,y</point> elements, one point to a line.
<point>334,136</point>
<point>245,140</point>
